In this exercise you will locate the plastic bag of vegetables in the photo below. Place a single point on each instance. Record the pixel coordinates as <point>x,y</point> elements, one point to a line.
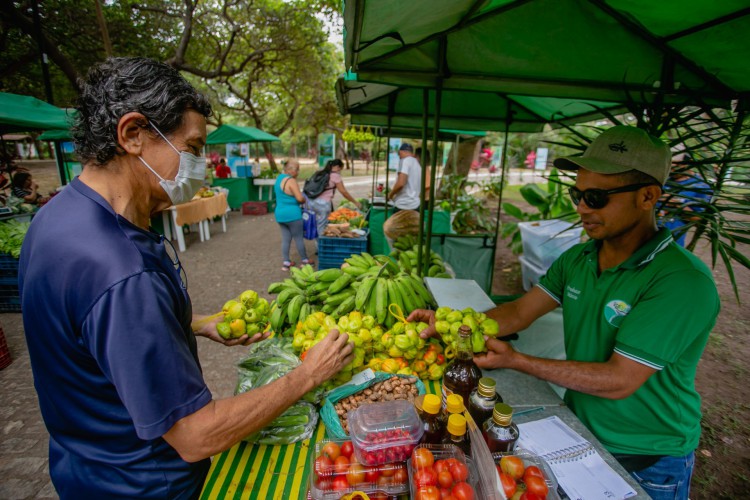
<point>297,423</point>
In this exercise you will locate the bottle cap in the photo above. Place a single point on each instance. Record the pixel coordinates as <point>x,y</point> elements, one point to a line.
<point>454,403</point>
<point>431,404</point>
<point>502,414</point>
<point>486,387</point>
<point>456,425</point>
<point>464,331</point>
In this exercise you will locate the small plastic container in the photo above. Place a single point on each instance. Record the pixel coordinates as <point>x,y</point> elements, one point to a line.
<point>442,452</point>
<point>385,432</point>
<point>531,459</point>
<point>326,484</point>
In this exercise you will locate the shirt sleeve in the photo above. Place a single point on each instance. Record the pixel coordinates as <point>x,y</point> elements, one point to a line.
<point>135,336</point>
<point>553,281</point>
<point>668,318</point>
<point>334,179</point>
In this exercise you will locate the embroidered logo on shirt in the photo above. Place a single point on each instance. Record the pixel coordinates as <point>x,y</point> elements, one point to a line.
<point>572,293</point>
<point>615,311</point>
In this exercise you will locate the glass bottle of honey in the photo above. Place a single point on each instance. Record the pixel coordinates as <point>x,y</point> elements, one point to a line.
<point>500,432</point>
<point>462,375</point>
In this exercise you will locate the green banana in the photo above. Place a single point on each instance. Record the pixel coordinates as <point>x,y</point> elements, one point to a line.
<point>371,302</point>
<point>340,283</point>
<point>407,295</point>
<point>381,300</point>
<point>389,264</point>
<point>338,298</point>
<point>344,308</point>
<point>307,270</point>
<point>327,275</point>
<point>304,312</point>
<point>421,290</point>
<point>357,260</point>
<point>369,258</point>
<point>404,262</point>
<point>364,292</point>
<point>275,288</point>
<point>354,270</point>
<point>295,305</point>
<point>434,269</point>
<point>277,318</point>
<point>287,294</point>
<point>318,287</point>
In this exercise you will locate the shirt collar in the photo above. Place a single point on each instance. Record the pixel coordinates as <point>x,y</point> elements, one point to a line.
<point>644,254</point>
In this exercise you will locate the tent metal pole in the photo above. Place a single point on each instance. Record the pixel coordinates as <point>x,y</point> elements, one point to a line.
<point>503,170</point>
<point>391,106</point>
<point>375,167</point>
<point>423,180</point>
<point>433,172</point>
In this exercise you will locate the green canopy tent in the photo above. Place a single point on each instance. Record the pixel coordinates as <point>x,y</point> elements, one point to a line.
<point>610,50</point>
<point>236,133</point>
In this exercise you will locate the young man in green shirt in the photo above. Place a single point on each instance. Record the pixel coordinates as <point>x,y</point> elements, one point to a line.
<point>638,310</point>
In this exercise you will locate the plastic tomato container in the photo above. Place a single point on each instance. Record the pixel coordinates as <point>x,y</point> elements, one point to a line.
<point>444,453</point>
<point>384,433</point>
<point>331,482</point>
<point>529,459</point>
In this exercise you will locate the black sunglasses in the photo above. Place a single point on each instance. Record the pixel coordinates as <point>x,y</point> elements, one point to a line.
<point>598,198</point>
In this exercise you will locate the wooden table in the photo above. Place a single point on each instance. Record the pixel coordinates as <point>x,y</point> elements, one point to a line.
<point>258,472</point>
<point>197,211</point>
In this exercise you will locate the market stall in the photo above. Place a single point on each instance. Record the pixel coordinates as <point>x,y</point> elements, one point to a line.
<point>198,211</point>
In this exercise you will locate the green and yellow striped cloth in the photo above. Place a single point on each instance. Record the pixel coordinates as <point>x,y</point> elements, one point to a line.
<point>260,472</point>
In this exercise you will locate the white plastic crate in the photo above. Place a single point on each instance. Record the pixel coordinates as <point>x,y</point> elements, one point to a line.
<point>545,240</point>
<point>530,273</point>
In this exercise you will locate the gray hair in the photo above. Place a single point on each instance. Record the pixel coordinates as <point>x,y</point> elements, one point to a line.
<point>290,165</point>
<point>122,85</point>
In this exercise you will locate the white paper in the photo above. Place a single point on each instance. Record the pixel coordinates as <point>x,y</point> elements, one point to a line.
<point>580,470</point>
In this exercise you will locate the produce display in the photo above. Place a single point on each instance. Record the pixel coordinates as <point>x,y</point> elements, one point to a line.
<point>343,215</point>
<point>341,231</point>
<point>525,476</point>
<point>440,471</point>
<point>12,234</point>
<point>336,473</point>
<point>405,251</point>
<point>385,433</point>
<point>448,321</point>
<point>395,388</point>
<point>247,314</point>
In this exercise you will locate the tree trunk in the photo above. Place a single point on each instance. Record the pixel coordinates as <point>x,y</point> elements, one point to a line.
<point>270,158</point>
<point>466,153</point>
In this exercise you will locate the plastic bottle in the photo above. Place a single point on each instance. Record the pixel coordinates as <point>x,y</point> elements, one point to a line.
<point>431,421</point>
<point>500,432</point>
<point>483,400</point>
<point>462,375</point>
<point>456,433</point>
<point>453,404</point>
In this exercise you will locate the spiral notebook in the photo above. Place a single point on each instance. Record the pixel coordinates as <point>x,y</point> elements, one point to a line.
<point>580,470</point>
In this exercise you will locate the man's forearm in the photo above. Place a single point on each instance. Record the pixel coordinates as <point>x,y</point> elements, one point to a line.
<point>222,423</point>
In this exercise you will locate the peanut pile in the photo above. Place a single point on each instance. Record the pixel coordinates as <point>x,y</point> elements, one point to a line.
<point>388,390</point>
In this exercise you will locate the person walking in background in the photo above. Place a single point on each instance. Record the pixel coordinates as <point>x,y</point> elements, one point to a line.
<point>222,170</point>
<point>405,192</point>
<point>322,202</point>
<point>289,214</point>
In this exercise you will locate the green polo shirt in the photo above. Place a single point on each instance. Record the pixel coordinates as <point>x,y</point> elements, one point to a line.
<point>656,308</point>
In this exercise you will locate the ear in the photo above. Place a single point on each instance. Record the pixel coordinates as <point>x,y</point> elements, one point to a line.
<point>131,132</point>
<point>650,197</point>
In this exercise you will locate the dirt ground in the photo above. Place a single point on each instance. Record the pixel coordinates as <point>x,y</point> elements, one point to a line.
<point>248,256</point>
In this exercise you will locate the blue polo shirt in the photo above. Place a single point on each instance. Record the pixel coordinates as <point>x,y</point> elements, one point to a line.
<point>115,364</point>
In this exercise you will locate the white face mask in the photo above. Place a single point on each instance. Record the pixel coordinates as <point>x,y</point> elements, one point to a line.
<point>190,175</point>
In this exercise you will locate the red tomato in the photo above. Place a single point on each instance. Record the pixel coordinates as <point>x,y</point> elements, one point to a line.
<point>530,496</point>
<point>422,457</point>
<point>347,449</point>
<point>441,465</point>
<point>459,472</point>
<point>340,483</point>
<point>537,486</point>
<point>428,493</point>
<point>425,477</point>
<point>532,470</point>
<point>513,466</point>
<point>385,481</point>
<point>371,474</point>
<point>401,476</point>
<point>462,491</point>
<point>324,483</point>
<point>341,464</point>
<point>445,480</point>
<point>331,450</point>
<point>445,494</point>
<point>509,484</point>
<point>323,466</point>
<point>379,496</point>
<point>356,474</point>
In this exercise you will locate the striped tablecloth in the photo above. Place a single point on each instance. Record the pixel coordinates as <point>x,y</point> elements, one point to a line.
<point>259,472</point>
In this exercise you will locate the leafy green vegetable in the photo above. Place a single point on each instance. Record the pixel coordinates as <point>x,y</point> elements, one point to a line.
<point>12,234</point>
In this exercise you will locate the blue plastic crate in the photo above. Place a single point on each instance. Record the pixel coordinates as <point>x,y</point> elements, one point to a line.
<point>333,251</point>
<point>8,266</point>
<point>10,300</point>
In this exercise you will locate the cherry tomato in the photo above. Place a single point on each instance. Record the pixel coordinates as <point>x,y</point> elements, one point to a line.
<point>340,483</point>
<point>388,470</point>
<point>347,449</point>
<point>323,466</point>
<point>355,474</point>
<point>341,464</point>
<point>445,480</point>
<point>425,477</point>
<point>532,470</point>
<point>537,486</point>
<point>441,465</point>
<point>509,484</point>
<point>331,450</point>
<point>462,491</point>
<point>371,474</point>
<point>324,483</point>
<point>459,472</point>
<point>422,457</point>
<point>428,493</point>
<point>513,466</point>
<point>401,476</point>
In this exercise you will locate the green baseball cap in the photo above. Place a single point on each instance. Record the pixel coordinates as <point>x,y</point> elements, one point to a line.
<point>620,149</point>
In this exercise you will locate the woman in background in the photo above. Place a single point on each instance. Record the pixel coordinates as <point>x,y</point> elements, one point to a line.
<point>289,214</point>
<point>323,204</point>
